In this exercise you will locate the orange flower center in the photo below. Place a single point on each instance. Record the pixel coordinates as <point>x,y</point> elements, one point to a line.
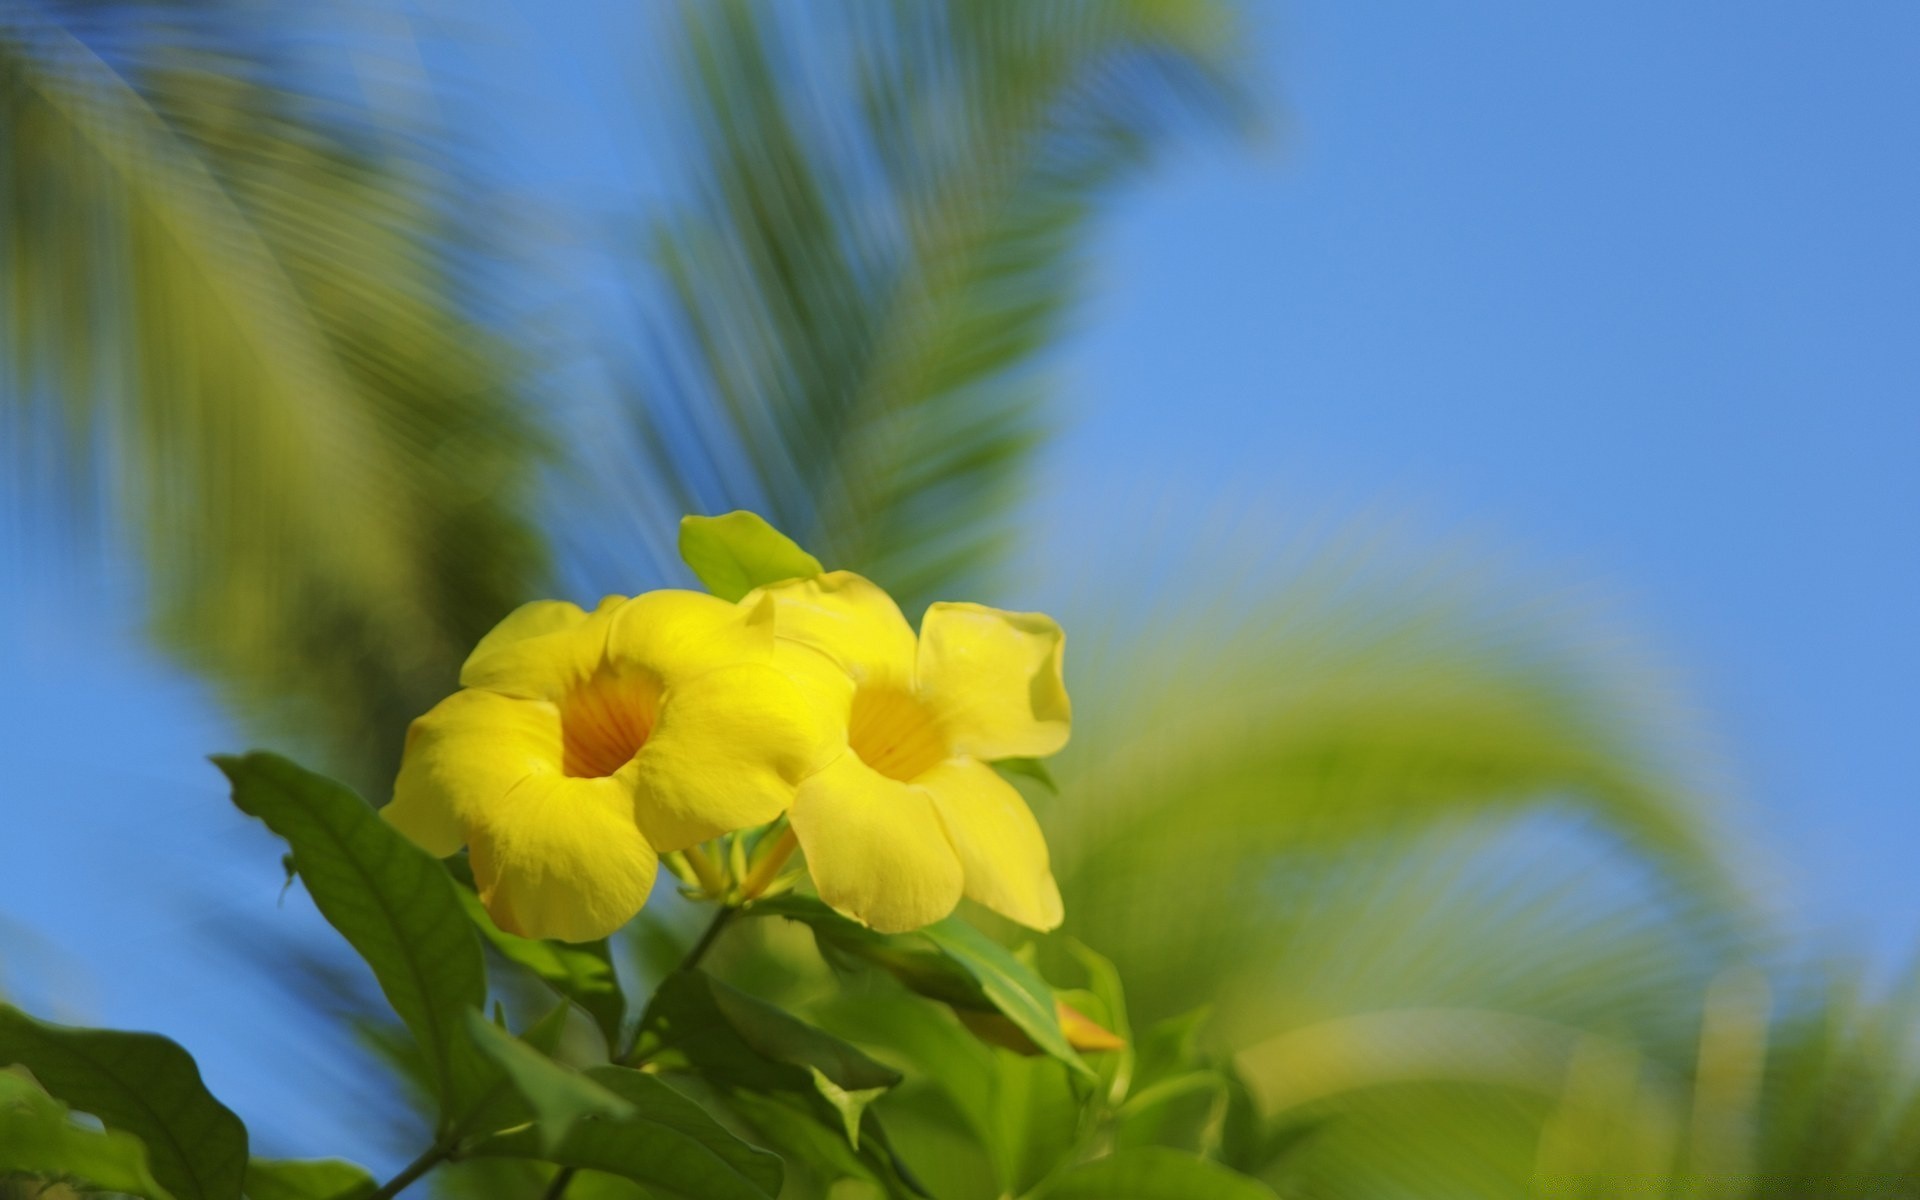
<point>605,721</point>
<point>894,733</point>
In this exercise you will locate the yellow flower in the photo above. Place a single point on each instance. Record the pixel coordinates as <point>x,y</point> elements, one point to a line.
<point>584,745</point>
<point>909,815</point>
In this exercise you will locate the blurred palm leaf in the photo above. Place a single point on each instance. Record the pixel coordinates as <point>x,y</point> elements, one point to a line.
<point>1416,840</point>
<point>1297,729</point>
<point>877,239</point>
<point>236,316</point>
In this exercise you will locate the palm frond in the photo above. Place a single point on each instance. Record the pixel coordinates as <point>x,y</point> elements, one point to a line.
<point>246,323</point>
<point>1416,838</point>
<point>1290,726</point>
<point>878,240</point>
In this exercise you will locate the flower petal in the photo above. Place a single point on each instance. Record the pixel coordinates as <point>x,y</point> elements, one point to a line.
<point>541,649</point>
<point>730,747</point>
<point>561,858</point>
<point>875,847</point>
<point>998,841</point>
<point>995,679</point>
<point>848,619</point>
<point>463,757</point>
<point>677,634</point>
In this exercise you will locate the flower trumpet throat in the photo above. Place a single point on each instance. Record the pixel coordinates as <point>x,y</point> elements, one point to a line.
<point>583,745</point>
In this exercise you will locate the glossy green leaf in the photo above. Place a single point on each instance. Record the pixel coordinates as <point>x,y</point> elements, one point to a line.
<point>1151,1174</point>
<point>390,899</point>
<point>38,1137</point>
<point>717,1024</point>
<point>737,1040</point>
<point>142,1085</point>
<point>556,1096</point>
<point>945,1113</point>
<point>949,961</point>
<point>1012,987</point>
<point>812,1146</point>
<point>736,552</point>
<point>307,1179</point>
<point>660,1139</point>
<point>907,957</point>
<point>850,1103</point>
<point>582,973</point>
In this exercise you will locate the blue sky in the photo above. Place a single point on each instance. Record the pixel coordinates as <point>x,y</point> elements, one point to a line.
<point>1628,292</point>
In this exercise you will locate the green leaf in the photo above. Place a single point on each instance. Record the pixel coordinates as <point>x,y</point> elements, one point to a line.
<point>1172,1047</point>
<point>816,1147</point>
<point>738,552</point>
<point>142,1085</point>
<point>1151,1174</point>
<point>557,1096</point>
<point>1037,1117</point>
<point>661,1139</point>
<point>964,968</point>
<point>582,973</point>
<point>850,1103</point>
<point>724,1028</point>
<point>880,235</point>
<point>1013,988</point>
<point>1186,1112</point>
<point>741,1041</point>
<point>390,899</point>
<point>38,1137</point>
<point>907,957</point>
<point>258,337</point>
<point>311,1179</point>
<point>1030,768</point>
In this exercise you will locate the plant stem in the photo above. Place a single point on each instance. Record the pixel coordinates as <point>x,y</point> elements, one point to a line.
<point>558,1187</point>
<point>707,939</point>
<point>433,1157</point>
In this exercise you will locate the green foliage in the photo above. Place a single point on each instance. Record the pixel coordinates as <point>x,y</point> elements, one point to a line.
<point>991,1122</point>
<point>1008,984</point>
<point>949,961</point>
<point>139,1085</point>
<point>583,972</point>
<point>556,1098</point>
<point>662,1140</point>
<point>737,552</point>
<point>319,1179</point>
<point>1151,1174</point>
<point>235,311</point>
<point>737,1041</point>
<point>390,899</point>
<point>38,1137</point>
<point>876,240</point>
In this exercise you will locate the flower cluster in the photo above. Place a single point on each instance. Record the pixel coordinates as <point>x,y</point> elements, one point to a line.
<point>584,746</point>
